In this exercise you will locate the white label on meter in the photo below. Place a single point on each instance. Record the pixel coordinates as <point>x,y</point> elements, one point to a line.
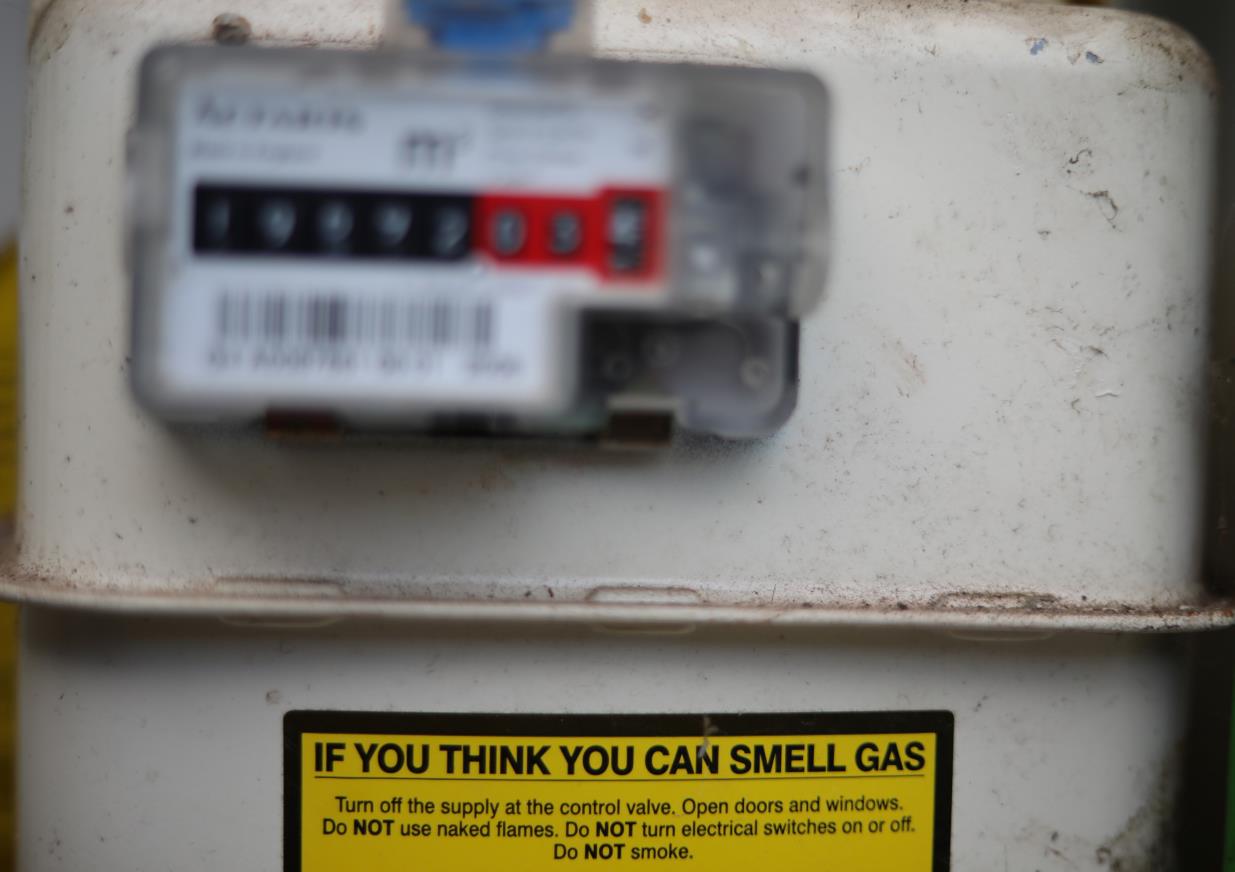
<point>249,336</point>
<point>387,248</point>
<point>514,138</point>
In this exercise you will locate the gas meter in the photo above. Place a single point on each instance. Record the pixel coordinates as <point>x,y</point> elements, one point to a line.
<point>925,627</point>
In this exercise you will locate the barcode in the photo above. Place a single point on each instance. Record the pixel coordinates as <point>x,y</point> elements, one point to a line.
<point>283,320</point>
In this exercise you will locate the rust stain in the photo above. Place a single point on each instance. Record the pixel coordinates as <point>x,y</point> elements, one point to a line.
<point>1186,57</point>
<point>494,478</point>
<point>1106,204</point>
<point>52,26</point>
<point>229,28</point>
<point>1144,842</point>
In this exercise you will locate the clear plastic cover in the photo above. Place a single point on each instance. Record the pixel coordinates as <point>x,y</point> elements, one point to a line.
<point>416,241</point>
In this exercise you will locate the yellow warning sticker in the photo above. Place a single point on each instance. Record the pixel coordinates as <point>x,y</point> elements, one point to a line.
<point>519,793</point>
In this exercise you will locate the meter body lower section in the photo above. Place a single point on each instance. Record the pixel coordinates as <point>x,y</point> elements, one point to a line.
<point>173,735</point>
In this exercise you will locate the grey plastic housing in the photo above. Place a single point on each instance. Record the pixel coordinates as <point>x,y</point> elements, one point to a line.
<point>712,349</point>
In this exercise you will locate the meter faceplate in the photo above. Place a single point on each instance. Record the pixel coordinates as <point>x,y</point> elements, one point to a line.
<point>401,240</point>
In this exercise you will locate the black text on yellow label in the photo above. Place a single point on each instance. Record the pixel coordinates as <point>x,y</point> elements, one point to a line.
<point>845,792</point>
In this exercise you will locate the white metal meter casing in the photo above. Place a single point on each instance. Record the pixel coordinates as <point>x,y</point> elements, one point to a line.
<point>1000,415</point>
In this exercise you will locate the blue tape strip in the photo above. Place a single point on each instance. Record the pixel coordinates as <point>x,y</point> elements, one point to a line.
<point>491,25</point>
